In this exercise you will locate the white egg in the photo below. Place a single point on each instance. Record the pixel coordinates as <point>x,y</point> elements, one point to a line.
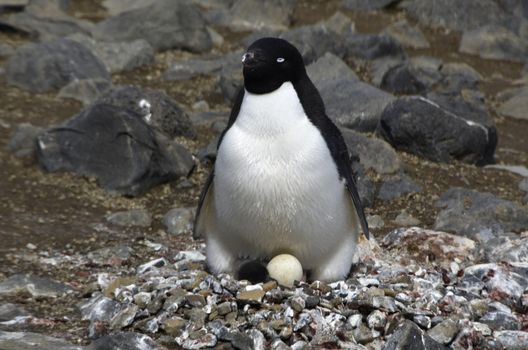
<point>285,269</point>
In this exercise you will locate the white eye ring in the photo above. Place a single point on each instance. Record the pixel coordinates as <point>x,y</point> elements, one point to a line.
<point>280,59</point>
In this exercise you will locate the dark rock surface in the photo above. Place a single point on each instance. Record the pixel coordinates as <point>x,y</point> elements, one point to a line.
<point>28,340</point>
<point>422,127</point>
<point>354,104</point>
<point>134,217</point>
<point>515,104</point>
<point>125,341</point>
<point>227,64</point>
<point>410,336</point>
<point>45,20</point>
<point>10,311</point>
<point>118,57</point>
<point>164,25</point>
<point>397,186</point>
<point>117,147</point>
<point>372,153</point>
<point>477,215</point>
<point>51,65</point>
<point>494,42</point>
<point>34,285</point>
<point>22,143</point>
<point>367,5</point>
<point>454,14</point>
<point>156,108</point>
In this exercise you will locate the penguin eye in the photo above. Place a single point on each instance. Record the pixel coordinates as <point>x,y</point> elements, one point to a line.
<point>280,60</point>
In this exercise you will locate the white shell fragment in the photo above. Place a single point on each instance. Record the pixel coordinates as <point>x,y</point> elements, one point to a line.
<point>285,269</point>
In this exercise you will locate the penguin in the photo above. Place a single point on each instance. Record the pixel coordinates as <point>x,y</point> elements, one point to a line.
<point>282,181</point>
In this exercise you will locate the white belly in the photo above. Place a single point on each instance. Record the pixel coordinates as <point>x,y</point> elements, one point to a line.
<point>276,187</point>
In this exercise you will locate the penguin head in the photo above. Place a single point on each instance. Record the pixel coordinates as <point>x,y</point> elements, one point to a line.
<point>268,63</point>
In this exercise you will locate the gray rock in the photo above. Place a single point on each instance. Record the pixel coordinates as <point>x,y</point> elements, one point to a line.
<point>354,104</point>
<point>505,283</point>
<point>511,340</point>
<point>478,215</point>
<point>208,153</point>
<point>165,24</point>
<point>423,127</point>
<point>423,244</point>
<point>506,249</point>
<point>397,186</point>
<point>523,185</point>
<point>153,264</point>
<point>494,42</point>
<point>124,317</point>
<point>116,7</point>
<point>328,68</point>
<point>99,308</point>
<point>444,332</point>
<point>246,15</point>
<point>10,311</point>
<point>454,14</point>
<point>111,255</point>
<point>517,105</point>
<point>376,320</point>
<point>118,57</point>
<point>410,336</point>
<point>338,23</point>
<point>86,91</point>
<point>406,219</point>
<point>125,341</point>
<point>14,3</point>
<point>156,108</point>
<point>407,35</point>
<point>93,143</point>
<point>29,340</point>
<point>34,285</point>
<point>134,217</point>
<point>314,41</point>
<point>51,65</point>
<point>372,153</point>
<point>6,50</point>
<point>367,5</point>
<point>500,321</point>
<point>22,143</point>
<point>403,79</point>
<point>226,65</point>
<point>45,20</point>
<point>371,46</point>
<point>179,220</point>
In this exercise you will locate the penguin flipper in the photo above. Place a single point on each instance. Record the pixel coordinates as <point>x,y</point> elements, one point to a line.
<point>204,209</point>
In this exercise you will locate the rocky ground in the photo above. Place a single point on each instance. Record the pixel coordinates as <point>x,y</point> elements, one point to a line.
<point>95,221</point>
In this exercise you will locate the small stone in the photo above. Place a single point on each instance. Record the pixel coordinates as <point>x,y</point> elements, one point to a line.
<point>179,220</point>
<point>251,296</point>
<point>135,217</point>
<point>156,263</point>
<point>124,341</point>
<point>195,300</point>
<point>278,344</point>
<point>298,303</point>
<point>376,320</point>
<point>500,321</point>
<point>444,332</point>
<point>422,321</point>
<point>142,299</point>
<point>174,325</point>
<point>11,311</point>
<point>124,317</point>
<point>34,285</point>
<point>405,219</point>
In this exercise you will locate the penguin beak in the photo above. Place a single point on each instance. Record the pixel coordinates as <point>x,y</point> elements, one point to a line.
<point>250,59</point>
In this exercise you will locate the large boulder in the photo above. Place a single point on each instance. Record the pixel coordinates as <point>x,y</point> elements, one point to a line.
<point>165,24</point>
<point>454,14</point>
<point>51,65</point>
<point>420,126</point>
<point>479,215</point>
<point>156,108</point>
<point>116,146</point>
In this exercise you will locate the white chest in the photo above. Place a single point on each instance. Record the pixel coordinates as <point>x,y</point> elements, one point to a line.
<point>275,180</point>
